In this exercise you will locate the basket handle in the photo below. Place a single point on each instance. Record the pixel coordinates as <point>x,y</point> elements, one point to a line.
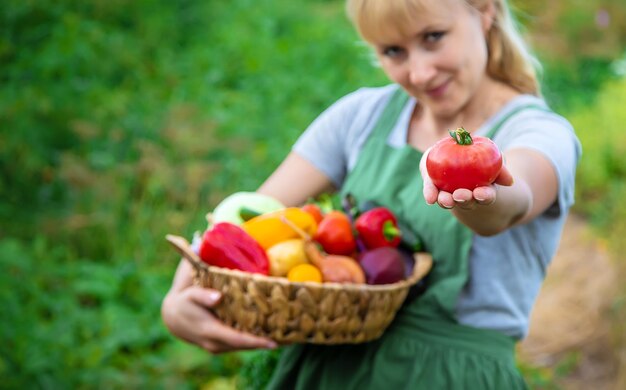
<point>182,246</point>
<point>423,265</point>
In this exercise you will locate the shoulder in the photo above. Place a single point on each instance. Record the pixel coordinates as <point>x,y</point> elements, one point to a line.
<point>334,139</point>
<point>363,100</point>
<point>526,111</point>
<point>530,122</point>
<point>347,121</point>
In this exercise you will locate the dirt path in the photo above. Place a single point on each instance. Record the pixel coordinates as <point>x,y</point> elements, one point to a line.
<point>571,311</point>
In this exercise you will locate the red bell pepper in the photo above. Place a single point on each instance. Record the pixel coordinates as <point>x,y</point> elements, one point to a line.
<point>378,227</point>
<point>229,246</point>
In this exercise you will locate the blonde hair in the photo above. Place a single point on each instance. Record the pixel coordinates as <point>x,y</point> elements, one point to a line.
<point>509,61</point>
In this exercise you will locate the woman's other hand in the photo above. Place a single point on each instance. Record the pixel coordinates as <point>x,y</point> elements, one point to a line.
<point>186,313</point>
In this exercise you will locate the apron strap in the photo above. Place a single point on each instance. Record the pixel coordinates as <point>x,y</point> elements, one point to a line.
<point>399,98</point>
<point>391,112</point>
<point>494,129</point>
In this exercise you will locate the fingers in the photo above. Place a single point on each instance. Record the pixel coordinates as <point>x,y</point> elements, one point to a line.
<point>219,338</point>
<point>429,190</point>
<point>465,199</point>
<point>431,193</point>
<point>203,296</point>
<point>485,195</point>
<point>445,200</point>
<point>187,315</point>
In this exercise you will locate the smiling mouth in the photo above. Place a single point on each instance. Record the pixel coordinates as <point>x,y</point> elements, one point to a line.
<point>437,91</point>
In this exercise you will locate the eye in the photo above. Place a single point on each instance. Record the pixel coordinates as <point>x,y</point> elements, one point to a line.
<point>392,51</point>
<point>434,36</point>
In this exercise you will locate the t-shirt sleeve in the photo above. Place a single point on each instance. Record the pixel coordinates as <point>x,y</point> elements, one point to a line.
<point>554,137</point>
<point>322,142</point>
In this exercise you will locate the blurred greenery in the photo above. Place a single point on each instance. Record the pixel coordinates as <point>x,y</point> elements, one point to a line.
<point>122,121</point>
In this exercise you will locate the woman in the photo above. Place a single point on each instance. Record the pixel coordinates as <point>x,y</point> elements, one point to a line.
<point>452,63</point>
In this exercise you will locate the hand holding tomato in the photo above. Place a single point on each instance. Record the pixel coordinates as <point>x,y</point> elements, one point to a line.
<point>461,171</point>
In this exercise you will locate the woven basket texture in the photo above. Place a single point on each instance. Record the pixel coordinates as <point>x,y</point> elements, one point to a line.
<point>305,312</point>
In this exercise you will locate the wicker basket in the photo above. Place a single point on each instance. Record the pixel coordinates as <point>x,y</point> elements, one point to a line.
<point>306,312</point>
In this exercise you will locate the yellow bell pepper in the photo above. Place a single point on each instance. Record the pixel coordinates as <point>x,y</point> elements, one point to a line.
<point>269,229</point>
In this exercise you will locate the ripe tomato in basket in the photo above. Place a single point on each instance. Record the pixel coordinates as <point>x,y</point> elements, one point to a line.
<point>334,234</point>
<point>314,210</point>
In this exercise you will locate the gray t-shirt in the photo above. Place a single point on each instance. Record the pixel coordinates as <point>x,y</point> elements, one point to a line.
<point>506,270</point>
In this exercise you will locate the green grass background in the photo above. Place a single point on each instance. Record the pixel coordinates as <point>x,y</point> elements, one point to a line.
<point>121,121</point>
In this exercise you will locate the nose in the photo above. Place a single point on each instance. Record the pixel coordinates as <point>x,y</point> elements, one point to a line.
<point>421,68</point>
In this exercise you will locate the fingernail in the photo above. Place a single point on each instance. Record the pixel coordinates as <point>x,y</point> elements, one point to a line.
<point>215,296</point>
<point>271,345</point>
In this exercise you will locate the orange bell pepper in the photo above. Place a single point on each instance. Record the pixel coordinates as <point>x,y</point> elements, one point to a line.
<point>269,228</point>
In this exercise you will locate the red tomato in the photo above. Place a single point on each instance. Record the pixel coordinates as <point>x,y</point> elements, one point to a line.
<point>463,162</point>
<point>314,210</point>
<point>335,235</point>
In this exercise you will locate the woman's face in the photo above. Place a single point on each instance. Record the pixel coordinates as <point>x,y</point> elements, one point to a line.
<point>442,61</point>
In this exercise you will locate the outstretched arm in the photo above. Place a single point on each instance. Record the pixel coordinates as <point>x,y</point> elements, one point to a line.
<point>526,187</point>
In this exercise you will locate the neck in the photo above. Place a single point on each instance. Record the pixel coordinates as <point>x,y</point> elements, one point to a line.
<point>487,101</point>
<point>426,126</point>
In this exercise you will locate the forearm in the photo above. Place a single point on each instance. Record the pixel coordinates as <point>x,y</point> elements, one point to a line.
<point>295,181</point>
<point>525,188</point>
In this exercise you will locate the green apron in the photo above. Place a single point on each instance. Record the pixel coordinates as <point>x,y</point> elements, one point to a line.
<point>424,347</point>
